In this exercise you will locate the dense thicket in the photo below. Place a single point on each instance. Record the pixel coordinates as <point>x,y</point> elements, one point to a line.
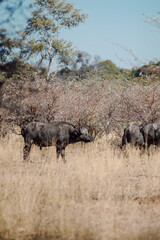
<point>85,91</point>
<point>102,102</point>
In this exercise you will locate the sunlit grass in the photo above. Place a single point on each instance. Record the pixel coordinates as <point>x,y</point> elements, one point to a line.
<point>101,193</point>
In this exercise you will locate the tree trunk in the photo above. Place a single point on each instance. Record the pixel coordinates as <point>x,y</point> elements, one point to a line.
<point>49,70</point>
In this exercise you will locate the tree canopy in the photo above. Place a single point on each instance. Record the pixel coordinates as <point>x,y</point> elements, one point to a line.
<point>109,67</point>
<point>48,18</point>
<point>40,40</point>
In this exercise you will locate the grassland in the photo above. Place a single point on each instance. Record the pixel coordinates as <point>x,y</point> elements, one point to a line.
<point>100,194</point>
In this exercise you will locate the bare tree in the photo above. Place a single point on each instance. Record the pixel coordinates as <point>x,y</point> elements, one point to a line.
<point>153,20</point>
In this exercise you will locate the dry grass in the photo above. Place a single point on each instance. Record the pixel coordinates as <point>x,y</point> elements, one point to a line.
<point>100,194</point>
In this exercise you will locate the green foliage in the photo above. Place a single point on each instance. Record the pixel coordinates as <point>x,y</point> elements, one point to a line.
<point>45,24</point>
<point>12,49</point>
<point>109,67</point>
<point>146,74</point>
<point>19,70</point>
<point>6,46</point>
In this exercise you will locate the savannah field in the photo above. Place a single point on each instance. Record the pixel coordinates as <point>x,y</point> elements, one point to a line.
<point>101,193</point>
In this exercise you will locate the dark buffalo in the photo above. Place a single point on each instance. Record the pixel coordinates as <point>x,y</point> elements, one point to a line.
<point>59,134</point>
<point>151,134</point>
<point>133,136</point>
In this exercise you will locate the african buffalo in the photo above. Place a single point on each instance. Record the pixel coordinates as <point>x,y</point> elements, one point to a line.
<point>59,134</point>
<point>133,136</point>
<point>151,134</point>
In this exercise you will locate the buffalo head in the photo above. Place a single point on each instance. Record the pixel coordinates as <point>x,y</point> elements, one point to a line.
<point>85,136</point>
<point>80,134</point>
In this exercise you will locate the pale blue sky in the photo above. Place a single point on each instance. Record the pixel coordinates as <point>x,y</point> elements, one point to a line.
<point>120,21</point>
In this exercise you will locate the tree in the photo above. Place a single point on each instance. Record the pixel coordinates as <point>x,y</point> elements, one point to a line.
<point>8,47</point>
<point>82,60</point>
<point>11,26</point>
<point>109,67</point>
<point>11,48</point>
<point>47,20</point>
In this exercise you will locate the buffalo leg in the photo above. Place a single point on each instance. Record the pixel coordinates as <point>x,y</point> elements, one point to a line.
<point>26,151</point>
<point>63,155</point>
<point>123,142</point>
<point>60,151</point>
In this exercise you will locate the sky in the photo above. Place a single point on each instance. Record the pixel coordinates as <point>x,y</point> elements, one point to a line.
<point>115,29</point>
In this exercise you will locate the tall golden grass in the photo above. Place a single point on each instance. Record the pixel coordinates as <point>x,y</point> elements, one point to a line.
<point>100,194</point>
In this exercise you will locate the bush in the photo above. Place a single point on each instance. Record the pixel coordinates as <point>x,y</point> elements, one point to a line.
<point>102,105</point>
